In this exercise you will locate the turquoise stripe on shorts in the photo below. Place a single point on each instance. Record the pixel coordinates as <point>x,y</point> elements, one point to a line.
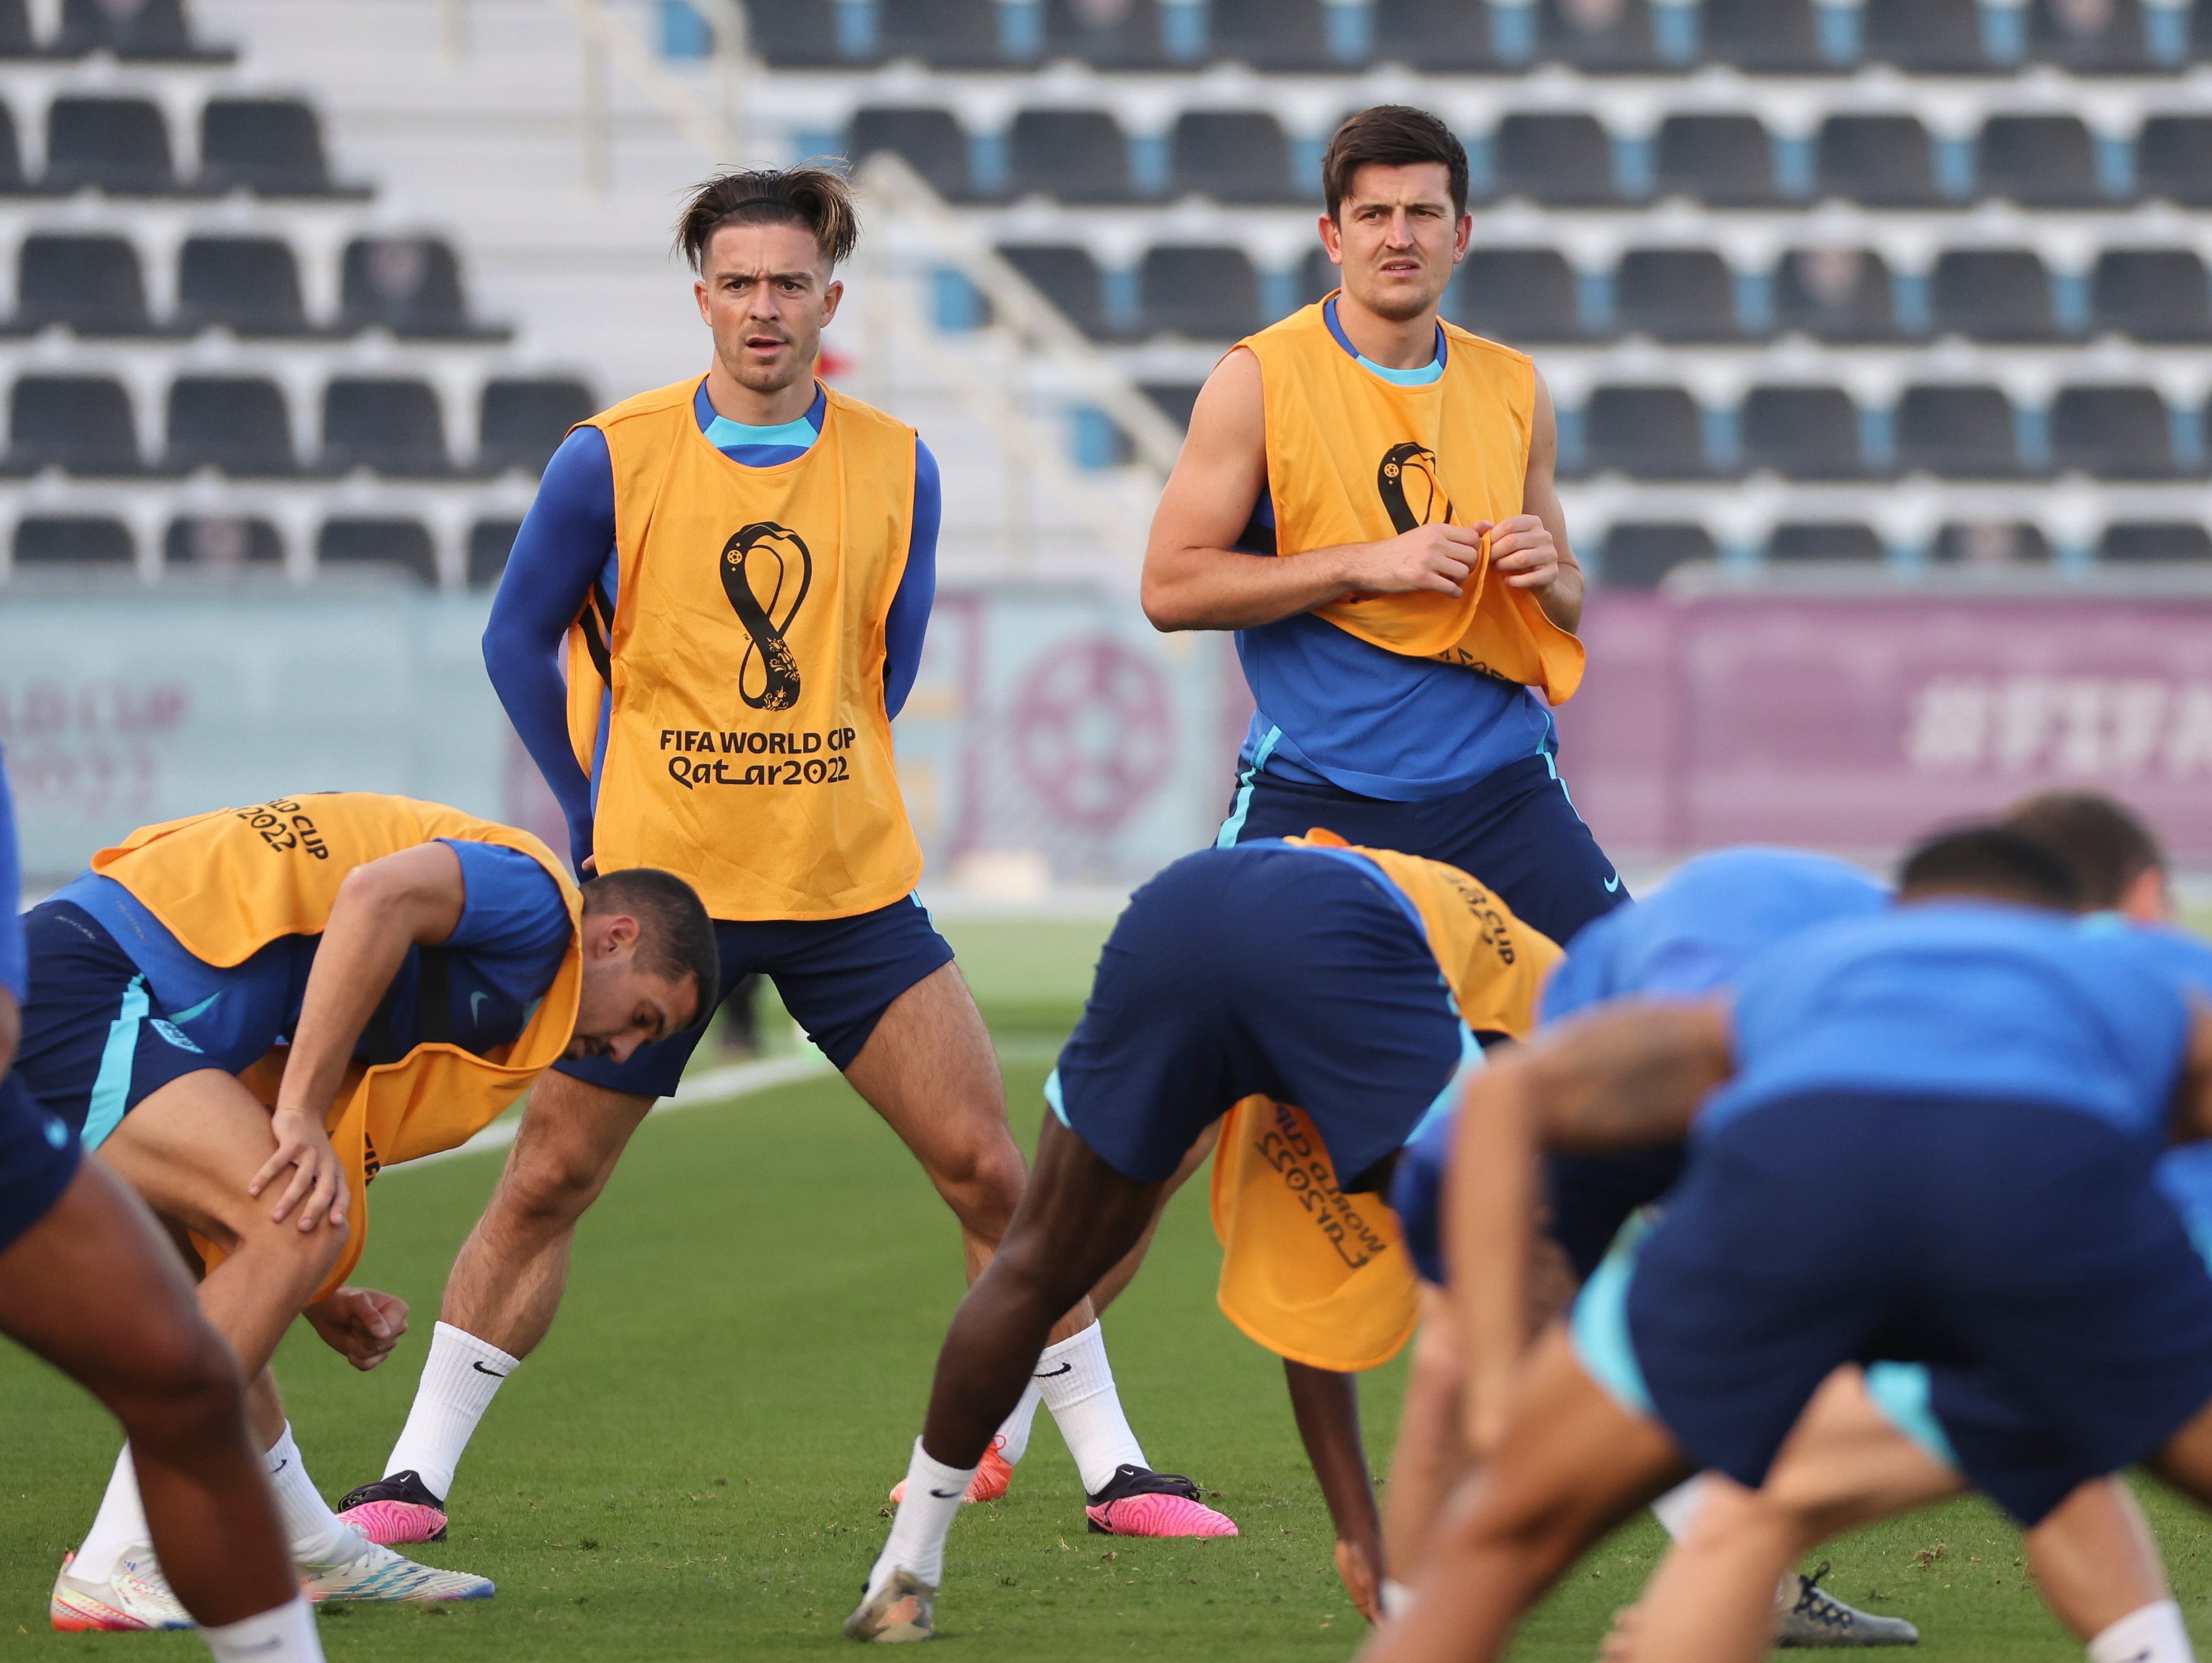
<point>111,1088</point>
<point>1599,1326</point>
<point>1899,1391</point>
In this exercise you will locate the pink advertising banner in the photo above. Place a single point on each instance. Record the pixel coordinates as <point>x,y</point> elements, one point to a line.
<point>1855,724</point>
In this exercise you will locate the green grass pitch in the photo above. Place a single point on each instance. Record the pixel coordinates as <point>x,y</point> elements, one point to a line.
<point>694,1466</point>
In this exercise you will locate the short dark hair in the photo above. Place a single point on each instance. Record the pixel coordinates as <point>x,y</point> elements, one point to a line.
<point>815,194</point>
<point>1391,136</point>
<point>1989,860</point>
<point>676,939</point>
<point>2105,843</point>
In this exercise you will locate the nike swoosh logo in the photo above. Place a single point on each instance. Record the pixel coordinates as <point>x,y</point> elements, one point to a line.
<point>1054,1374</point>
<point>477,997</point>
<point>1612,883</point>
<point>944,1494</point>
<point>480,1369</point>
<point>280,1467</point>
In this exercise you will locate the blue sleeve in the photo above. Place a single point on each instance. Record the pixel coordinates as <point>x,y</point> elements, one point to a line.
<point>13,967</point>
<point>564,541</point>
<point>511,904</point>
<point>909,620</point>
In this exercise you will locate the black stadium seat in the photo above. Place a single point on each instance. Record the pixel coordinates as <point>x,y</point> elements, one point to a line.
<point>388,424</point>
<point>79,423</point>
<point>1645,431</point>
<point>490,542</point>
<point>404,543</point>
<point>1639,553</point>
<point>1823,539</point>
<point>92,284</point>
<point>1067,276</point>
<point>1438,36</point>
<point>2134,541</point>
<point>1928,37</point>
<point>1676,294</point>
<point>411,286</point>
<point>2113,433</point>
<point>2152,293</point>
<point>271,146</point>
<point>1727,160</point>
<point>1174,399</point>
<point>14,182</point>
<point>948,34</point>
<point>221,542</point>
<point>1112,35</point>
<point>1273,34</point>
<point>72,539</point>
<point>118,145</point>
<point>523,422</point>
<point>1233,155</point>
<point>929,141</point>
<point>1769,36</point>
<point>2039,161</point>
<point>1318,274</point>
<point>15,37</point>
<point>1597,35</point>
<point>1956,432</point>
<point>2089,37</point>
<point>1076,155</point>
<point>251,284</point>
<point>1885,161</point>
<point>1835,294</point>
<point>1986,543</point>
<point>1517,294</point>
<point>235,424</point>
<point>1204,292</point>
<point>2173,160</point>
<point>1803,433</point>
<point>152,30</point>
<point>1556,159</point>
<point>794,33</point>
<point>1992,295</point>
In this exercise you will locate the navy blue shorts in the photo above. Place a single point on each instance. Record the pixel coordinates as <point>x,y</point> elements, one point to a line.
<point>97,1040</point>
<point>1269,970</point>
<point>1591,1196</point>
<point>836,975</point>
<point>38,1158</point>
<point>2025,1242</point>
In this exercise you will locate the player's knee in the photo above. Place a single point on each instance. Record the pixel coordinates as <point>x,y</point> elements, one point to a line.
<point>547,1190</point>
<point>982,1183</point>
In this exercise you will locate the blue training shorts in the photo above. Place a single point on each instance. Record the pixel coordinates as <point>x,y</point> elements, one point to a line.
<point>38,1157</point>
<point>1264,970</point>
<point>836,975</point>
<point>2024,1243</point>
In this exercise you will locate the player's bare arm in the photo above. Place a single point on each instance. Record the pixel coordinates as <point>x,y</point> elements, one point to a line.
<point>1326,1406</point>
<point>1530,550</point>
<point>2192,1092</point>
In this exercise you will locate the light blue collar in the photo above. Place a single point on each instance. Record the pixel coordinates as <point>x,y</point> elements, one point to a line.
<point>1427,373</point>
<point>725,434</point>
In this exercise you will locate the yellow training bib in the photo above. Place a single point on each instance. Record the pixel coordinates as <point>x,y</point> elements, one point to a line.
<point>747,749</point>
<point>1354,458</point>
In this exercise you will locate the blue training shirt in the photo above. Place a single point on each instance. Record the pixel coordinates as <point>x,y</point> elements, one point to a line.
<point>501,957</point>
<point>1336,710</point>
<point>566,543</point>
<point>15,975</point>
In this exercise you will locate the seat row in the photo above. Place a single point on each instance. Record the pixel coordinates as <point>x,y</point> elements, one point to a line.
<point>241,425</point>
<point>227,544</point>
<point>1639,553</point>
<point>272,146</point>
<point>1563,159</point>
<point>1525,297</point>
<point>1794,37</point>
<point>94,285</point>
<point>136,31</point>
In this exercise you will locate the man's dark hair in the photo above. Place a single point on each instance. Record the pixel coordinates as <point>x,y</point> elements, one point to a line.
<point>1992,861</point>
<point>2105,843</point>
<point>676,939</point>
<point>814,194</point>
<point>1391,136</point>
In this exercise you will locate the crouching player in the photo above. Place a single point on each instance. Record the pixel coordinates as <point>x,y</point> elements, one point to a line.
<point>1983,1083</point>
<point>392,973</point>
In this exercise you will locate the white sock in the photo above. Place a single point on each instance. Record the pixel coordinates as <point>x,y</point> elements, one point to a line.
<point>1017,1426</point>
<point>1678,1506</point>
<point>1397,1600</point>
<point>923,1520</point>
<point>286,1634</point>
<point>1078,1385</point>
<point>2153,1634</point>
<point>458,1382</point>
<point>119,1526</point>
<point>313,1530</point>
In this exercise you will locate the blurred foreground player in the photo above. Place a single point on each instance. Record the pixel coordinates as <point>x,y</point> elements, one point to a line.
<point>73,1239</point>
<point>388,976</point>
<point>712,613</point>
<point>1985,1083</point>
<point>1305,971</point>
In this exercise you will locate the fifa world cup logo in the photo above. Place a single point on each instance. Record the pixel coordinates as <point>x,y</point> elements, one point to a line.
<point>1410,488</point>
<point>766,567</point>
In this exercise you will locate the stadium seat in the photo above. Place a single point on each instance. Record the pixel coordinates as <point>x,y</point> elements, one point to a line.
<point>2132,541</point>
<point>410,285</point>
<point>2090,37</point>
<point>1639,553</point>
<point>1803,433</point>
<point>1987,543</point>
<point>72,539</point>
<point>2039,161</point>
<point>151,30</point>
<point>1517,294</point>
<point>1795,541</point>
<point>118,145</point>
<point>794,33</point>
<point>947,35</point>
<point>1067,276</point>
<point>1233,155</point>
<point>1556,159</point>
<point>92,284</point>
<point>78,423</point>
<point>1436,36</point>
<point>2173,160</point>
<point>490,542</point>
<point>1112,35</point>
<point>1726,160</point>
<point>235,424</point>
<point>1956,432</point>
<point>1203,292</point>
<point>1647,433</point>
<point>1676,294</point>
<point>2152,293</point>
<point>1885,161</point>
<point>15,36</point>
<point>14,182</point>
<point>1075,155</point>
<point>1925,37</point>
<point>1774,37</point>
<point>1597,35</point>
<point>404,543</point>
<point>1273,34</point>
<point>524,422</point>
<point>1835,294</point>
<point>389,426</point>
<point>221,542</point>
<point>1992,295</point>
<point>272,146</point>
<point>2112,433</point>
<point>252,284</point>
<point>1174,399</point>
<point>929,141</point>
